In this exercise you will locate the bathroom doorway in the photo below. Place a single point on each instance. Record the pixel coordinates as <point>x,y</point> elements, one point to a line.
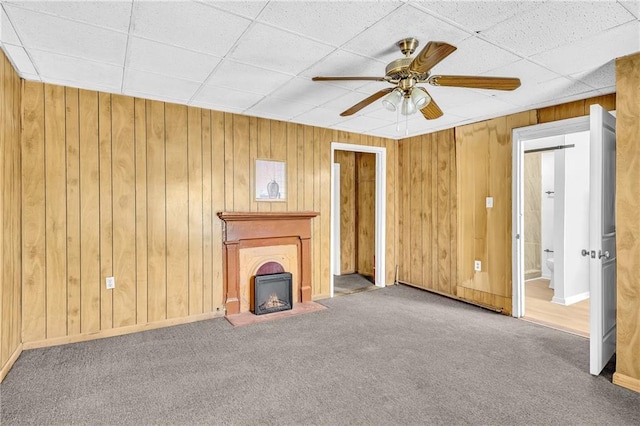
<point>555,222</point>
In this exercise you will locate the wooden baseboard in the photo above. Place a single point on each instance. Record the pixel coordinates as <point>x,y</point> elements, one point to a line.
<point>12,360</point>
<point>626,382</point>
<point>120,331</point>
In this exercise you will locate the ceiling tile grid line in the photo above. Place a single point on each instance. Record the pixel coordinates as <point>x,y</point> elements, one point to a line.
<point>127,51</point>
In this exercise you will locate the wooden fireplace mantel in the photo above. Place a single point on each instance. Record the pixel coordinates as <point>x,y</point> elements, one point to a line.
<point>247,229</point>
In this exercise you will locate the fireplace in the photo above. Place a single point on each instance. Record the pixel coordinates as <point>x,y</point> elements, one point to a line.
<point>272,293</point>
<point>251,239</point>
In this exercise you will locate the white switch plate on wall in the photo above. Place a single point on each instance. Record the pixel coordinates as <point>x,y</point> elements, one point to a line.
<point>477,266</point>
<point>489,202</point>
<point>111,283</point>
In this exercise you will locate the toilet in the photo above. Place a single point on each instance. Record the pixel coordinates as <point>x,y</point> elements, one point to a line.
<point>550,266</point>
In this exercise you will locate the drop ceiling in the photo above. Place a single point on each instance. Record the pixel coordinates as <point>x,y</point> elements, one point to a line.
<point>258,57</point>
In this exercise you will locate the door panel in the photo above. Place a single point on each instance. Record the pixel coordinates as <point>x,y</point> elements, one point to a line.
<point>602,239</point>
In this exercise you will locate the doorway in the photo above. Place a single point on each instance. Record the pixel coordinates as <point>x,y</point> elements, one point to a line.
<point>373,159</point>
<point>551,189</point>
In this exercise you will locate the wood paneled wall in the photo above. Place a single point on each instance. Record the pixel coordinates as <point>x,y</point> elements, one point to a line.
<point>365,213</point>
<point>443,224</point>
<point>357,211</point>
<point>10,182</point>
<point>628,222</point>
<point>484,170</point>
<point>427,220</point>
<point>347,161</point>
<point>125,187</point>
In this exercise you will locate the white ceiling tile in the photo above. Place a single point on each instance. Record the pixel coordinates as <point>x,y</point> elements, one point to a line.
<point>527,71</point>
<point>601,77</point>
<point>318,117</point>
<point>7,33</point>
<point>248,9</point>
<point>278,50</point>
<point>486,107</point>
<point>46,32</point>
<point>190,25</point>
<point>224,99</point>
<point>279,109</point>
<point>332,22</point>
<point>30,77</point>
<point>346,101</point>
<point>476,15</point>
<point>474,56</point>
<point>75,72</point>
<point>554,23</point>
<point>362,123</point>
<point>234,75</point>
<point>379,40</point>
<point>108,14</point>
<point>151,56</point>
<point>632,6</point>
<point>145,82</point>
<point>541,92</point>
<point>591,52</point>
<point>312,92</point>
<point>20,59</point>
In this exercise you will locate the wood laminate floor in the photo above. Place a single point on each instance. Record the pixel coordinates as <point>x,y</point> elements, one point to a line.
<point>539,309</point>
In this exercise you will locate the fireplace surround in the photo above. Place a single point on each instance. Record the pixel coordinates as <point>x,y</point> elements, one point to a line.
<point>242,230</point>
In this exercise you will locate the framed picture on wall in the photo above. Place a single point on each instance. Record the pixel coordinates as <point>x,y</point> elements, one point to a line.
<point>271,180</point>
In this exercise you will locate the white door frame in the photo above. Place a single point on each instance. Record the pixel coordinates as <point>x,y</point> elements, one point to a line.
<point>335,217</point>
<point>381,206</point>
<point>519,137</point>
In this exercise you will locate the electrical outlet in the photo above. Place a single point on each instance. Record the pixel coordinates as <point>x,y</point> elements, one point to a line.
<point>111,283</point>
<point>477,266</point>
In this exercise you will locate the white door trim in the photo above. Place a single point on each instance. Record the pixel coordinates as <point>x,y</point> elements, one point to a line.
<point>381,206</point>
<point>519,137</point>
<point>335,217</point>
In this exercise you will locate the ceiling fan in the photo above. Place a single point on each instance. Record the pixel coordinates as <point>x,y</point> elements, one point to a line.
<point>405,73</point>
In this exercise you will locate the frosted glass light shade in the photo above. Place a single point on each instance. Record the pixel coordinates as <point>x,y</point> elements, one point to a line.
<point>392,100</point>
<point>408,107</point>
<point>419,98</point>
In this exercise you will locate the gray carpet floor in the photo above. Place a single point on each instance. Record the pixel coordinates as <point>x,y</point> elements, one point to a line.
<point>397,355</point>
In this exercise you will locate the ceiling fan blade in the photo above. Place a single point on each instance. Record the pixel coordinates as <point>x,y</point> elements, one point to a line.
<point>432,54</point>
<point>363,103</point>
<point>348,78</point>
<point>431,110</point>
<point>475,82</point>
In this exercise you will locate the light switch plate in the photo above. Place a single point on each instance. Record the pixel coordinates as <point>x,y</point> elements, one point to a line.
<point>111,283</point>
<point>489,202</point>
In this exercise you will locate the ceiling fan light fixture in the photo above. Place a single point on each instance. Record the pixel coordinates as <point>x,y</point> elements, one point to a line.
<point>392,101</point>
<point>408,107</point>
<point>420,98</point>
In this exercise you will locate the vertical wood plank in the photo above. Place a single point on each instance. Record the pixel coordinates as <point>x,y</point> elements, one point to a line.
<point>156,212</point>
<point>279,153</point>
<point>89,212</point>
<point>415,207</point>
<point>177,211</point>
<point>72,133</point>
<point>264,152</point>
<point>392,204</point>
<point>427,210</point>
<point>106,209</point>
<point>253,155</point>
<point>142,294</point>
<point>323,189</point>
<point>55,207</point>
<point>218,201</point>
<point>292,167</point>
<point>33,213</point>
<point>195,180</point>
<point>208,214</point>
<point>444,214</point>
<point>241,166</point>
<point>124,211</point>
<point>229,162</point>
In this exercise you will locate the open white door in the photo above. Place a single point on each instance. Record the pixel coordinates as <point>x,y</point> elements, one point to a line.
<point>602,239</point>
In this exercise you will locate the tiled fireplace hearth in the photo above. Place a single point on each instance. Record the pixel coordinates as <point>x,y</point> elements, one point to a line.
<point>251,239</point>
